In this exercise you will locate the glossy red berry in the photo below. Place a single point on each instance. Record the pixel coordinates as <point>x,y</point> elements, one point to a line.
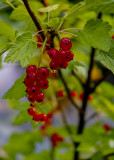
<point>53,65</point>
<point>54,74</point>
<point>36,117</point>
<point>53,53</point>
<point>31,68</point>
<point>42,83</point>
<point>31,77</point>
<point>28,83</point>
<point>65,44</point>
<point>43,73</point>
<point>40,97</point>
<point>112,36</point>
<point>106,127</point>
<point>73,94</point>
<point>31,111</point>
<point>63,65</point>
<point>69,57</point>
<point>31,98</point>
<point>60,93</point>
<point>42,117</point>
<point>39,39</point>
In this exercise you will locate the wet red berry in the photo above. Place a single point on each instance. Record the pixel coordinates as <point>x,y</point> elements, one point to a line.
<point>31,98</point>
<point>28,83</point>
<point>31,68</point>
<point>53,65</point>
<point>106,127</point>
<point>65,44</point>
<point>31,77</point>
<point>112,36</point>
<point>36,117</point>
<point>42,117</point>
<point>63,65</point>
<point>42,83</point>
<point>43,73</point>
<point>60,93</point>
<point>40,97</point>
<point>53,53</point>
<point>31,111</point>
<point>73,94</point>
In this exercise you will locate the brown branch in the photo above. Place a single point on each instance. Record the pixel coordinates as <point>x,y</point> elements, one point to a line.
<point>84,104</point>
<point>67,90</point>
<point>100,81</point>
<point>31,13</point>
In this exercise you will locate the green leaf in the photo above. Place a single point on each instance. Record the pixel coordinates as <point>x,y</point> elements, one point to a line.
<point>104,6</point>
<point>96,34</point>
<point>74,64</point>
<point>75,7</point>
<point>22,50</point>
<point>22,143</point>
<point>17,91</point>
<point>7,30</point>
<point>97,156</point>
<point>54,22</point>
<point>22,118</point>
<point>4,42</point>
<point>107,58</point>
<point>49,8</point>
<point>103,104</point>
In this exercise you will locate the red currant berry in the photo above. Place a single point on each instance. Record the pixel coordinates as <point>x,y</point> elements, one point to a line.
<point>54,74</point>
<point>53,65</point>
<point>28,83</point>
<point>31,98</point>
<point>54,137</point>
<point>43,73</point>
<point>65,44</point>
<point>34,90</point>
<point>63,65</point>
<point>53,53</point>
<point>42,117</point>
<point>31,76</point>
<point>69,57</point>
<point>112,36</point>
<point>31,68</point>
<point>31,111</point>
<point>60,93</point>
<point>39,39</point>
<point>106,127</point>
<point>50,115</point>
<point>60,139</point>
<point>73,94</point>
<point>42,83</point>
<point>36,117</point>
<point>40,97</point>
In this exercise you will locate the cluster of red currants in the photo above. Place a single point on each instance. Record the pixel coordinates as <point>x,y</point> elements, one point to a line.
<point>37,116</point>
<point>56,138</point>
<point>61,58</point>
<point>36,81</point>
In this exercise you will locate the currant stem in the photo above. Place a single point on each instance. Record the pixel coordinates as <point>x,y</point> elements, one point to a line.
<point>68,15</point>
<point>43,47</point>
<point>68,33</point>
<point>70,29</point>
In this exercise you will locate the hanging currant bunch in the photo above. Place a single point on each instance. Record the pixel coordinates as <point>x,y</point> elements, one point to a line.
<point>36,79</point>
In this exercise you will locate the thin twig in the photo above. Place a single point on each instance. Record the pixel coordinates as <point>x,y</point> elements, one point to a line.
<point>68,33</point>
<point>43,47</point>
<point>67,90</point>
<point>68,15</point>
<point>31,13</point>
<point>71,29</point>
<point>84,104</point>
<point>100,81</point>
<point>81,82</point>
